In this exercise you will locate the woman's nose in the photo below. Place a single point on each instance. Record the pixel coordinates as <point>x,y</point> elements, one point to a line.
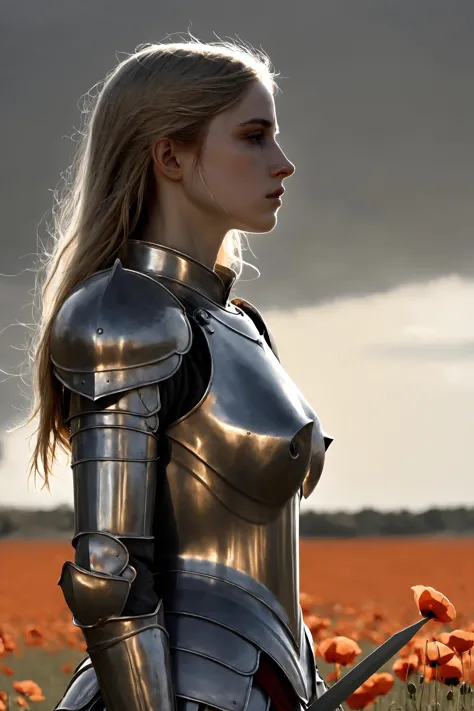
<point>289,169</point>
<point>285,168</point>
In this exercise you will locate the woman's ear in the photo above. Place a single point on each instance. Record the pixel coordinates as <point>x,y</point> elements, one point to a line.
<point>166,156</point>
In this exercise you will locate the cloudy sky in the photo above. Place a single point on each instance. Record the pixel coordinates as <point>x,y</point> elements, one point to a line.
<point>368,280</point>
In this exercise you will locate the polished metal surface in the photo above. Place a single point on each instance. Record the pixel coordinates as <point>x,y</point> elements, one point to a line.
<point>316,466</point>
<point>114,456</point>
<point>83,691</point>
<point>101,553</point>
<point>220,596</point>
<point>93,597</point>
<point>105,336</point>
<point>243,456</point>
<point>148,258</point>
<point>132,661</point>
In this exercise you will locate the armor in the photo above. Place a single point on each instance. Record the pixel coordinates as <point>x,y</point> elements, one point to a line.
<point>222,510</point>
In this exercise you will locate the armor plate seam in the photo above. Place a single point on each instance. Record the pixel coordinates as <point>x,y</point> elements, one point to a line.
<point>147,433</point>
<point>111,459</point>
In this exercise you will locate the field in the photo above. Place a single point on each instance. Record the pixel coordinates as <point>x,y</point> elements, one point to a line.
<point>358,588</point>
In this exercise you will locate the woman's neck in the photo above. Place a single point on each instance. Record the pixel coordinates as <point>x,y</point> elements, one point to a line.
<point>194,237</point>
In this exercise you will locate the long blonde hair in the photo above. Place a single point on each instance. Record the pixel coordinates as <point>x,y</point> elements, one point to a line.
<point>171,89</point>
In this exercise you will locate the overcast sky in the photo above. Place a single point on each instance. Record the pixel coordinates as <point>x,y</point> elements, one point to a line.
<point>368,280</point>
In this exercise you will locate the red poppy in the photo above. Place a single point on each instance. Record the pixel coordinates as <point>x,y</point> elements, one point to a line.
<point>405,666</point>
<point>339,650</point>
<point>383,683</point>
<point>451,672</point>
<point>437,654</point>
<point>33,636</point>
<point>28,688</point>
<point>432,603</point>
<point>461,641</point>
<point>315,623</point>
<point>360,699</point>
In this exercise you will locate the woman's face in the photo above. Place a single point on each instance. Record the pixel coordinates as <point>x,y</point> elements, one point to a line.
<point>241,165</point>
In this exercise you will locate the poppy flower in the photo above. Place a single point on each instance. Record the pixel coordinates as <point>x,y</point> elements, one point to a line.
<point>66,668</point>
<point>432,603</point>
<point>383,683</point>
<point>27,688</point>
<point>461,641</point>
<point>33,637</point>
<point>8,641</point>
<point>20,701</point>
<point>451,672</point>
<point>315,623</point>
<point>2,706</point>
<point>437,654</point>
<point>442,637</point>
<point>7,671</point>
<point>405,666</point>
<point>360,699</point>
<point>339,650</point>
<point>3,696</point>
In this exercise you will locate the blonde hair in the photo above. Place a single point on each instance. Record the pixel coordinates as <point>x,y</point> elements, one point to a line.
<point>171,89</point>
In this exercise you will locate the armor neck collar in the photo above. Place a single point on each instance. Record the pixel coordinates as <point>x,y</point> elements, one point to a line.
<point>157,260</point>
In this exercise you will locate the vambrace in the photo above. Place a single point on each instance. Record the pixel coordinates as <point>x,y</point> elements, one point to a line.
<point>114,460</point>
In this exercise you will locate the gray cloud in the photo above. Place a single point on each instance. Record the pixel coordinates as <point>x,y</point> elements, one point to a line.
<point>427,352</point>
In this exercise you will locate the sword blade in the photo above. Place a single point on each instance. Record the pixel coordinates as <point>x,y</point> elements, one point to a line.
<point>333,697</point>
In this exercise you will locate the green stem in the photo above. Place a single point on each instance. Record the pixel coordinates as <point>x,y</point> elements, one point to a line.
<point>469,673</point>
<point>424,672</point>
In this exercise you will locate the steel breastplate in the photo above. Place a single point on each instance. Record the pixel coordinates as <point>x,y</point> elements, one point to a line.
<point>240,458</point>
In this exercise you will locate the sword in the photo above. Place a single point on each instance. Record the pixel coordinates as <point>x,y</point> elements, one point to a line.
<point>333,697</point>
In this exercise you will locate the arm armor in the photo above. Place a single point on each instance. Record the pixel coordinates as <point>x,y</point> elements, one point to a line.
<point>116,336</point>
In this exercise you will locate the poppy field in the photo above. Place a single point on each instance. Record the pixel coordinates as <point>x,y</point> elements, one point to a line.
<point>355,594</point>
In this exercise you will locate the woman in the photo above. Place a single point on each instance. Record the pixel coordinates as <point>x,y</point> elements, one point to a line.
<point>190,446</point>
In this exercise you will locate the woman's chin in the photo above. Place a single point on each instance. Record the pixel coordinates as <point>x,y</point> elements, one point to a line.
<point>264,224</point>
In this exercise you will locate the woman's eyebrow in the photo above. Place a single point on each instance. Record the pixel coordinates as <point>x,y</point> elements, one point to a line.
<point>261,122</point>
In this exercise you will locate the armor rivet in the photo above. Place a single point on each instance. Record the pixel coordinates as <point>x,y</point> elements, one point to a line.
<point>100,331</point>
<point>249,433</point>
<point>203,317</point>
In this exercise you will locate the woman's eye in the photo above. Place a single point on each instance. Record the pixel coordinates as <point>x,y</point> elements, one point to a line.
<point>256,137</point>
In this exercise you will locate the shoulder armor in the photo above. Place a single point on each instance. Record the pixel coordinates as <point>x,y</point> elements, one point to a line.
<point>118,329</point>
<point>258,320</point>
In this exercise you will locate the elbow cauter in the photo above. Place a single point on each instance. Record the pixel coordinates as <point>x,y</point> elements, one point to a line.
<point>97,585</point>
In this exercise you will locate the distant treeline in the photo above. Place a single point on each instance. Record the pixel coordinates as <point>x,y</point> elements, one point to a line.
<point>59,523</point>
<point>368,522</point>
